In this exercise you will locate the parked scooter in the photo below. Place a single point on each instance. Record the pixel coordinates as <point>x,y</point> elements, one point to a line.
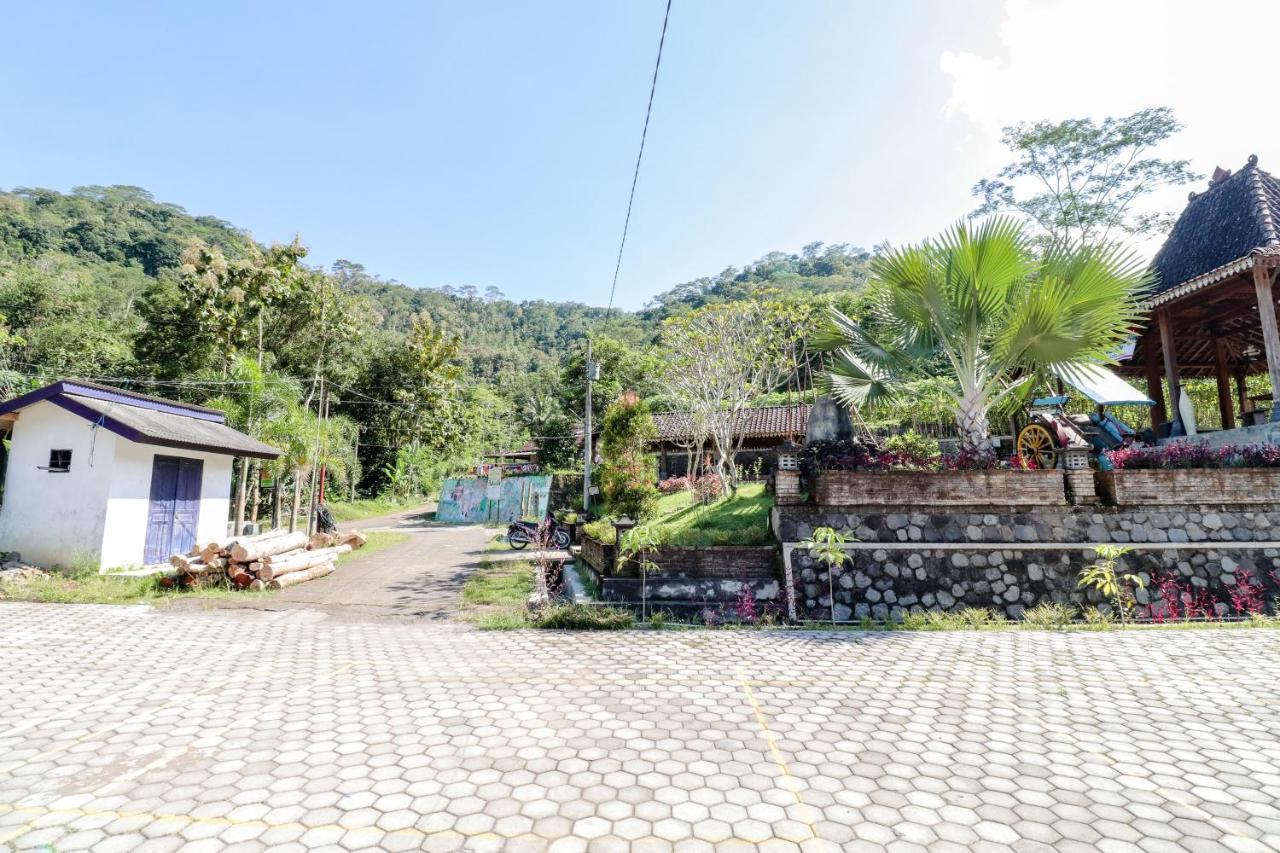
<point>550,533</point>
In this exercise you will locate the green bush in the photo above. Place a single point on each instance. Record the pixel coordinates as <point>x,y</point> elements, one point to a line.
<point>1049,615</point>
<point>585,617</point>
<point>913,445</point>
<point>626,476</point>
<point>601,530</point>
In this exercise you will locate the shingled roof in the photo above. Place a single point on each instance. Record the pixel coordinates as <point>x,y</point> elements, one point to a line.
<point>756,422</point>
<point>1237,217</point>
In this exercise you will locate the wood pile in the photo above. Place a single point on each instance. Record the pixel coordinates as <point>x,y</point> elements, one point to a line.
<point>267,561</point>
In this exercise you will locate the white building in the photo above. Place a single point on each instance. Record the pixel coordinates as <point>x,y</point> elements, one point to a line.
<point>121,478</point>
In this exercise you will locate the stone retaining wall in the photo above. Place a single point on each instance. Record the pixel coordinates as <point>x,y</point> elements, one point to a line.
<point>1096,524</point>
<point>1012,558</point>
<point>882,583</point>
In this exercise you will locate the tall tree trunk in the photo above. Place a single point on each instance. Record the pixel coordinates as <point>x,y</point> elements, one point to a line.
<point>257,492</point>
<point>975,429</point>
<point>242,493</point>
<point>297,499</point>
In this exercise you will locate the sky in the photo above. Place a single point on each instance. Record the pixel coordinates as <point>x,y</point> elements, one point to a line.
<point>492,144</point>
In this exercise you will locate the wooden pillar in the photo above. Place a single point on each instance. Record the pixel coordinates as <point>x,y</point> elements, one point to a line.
<point>1242,388</point>
<point>1270,333</point>
<point>1170,367</point>
<point>1225,406</point>
<point>1154,389</point>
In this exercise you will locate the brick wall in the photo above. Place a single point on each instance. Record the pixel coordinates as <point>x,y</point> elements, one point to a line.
<point>939,488</point>
<point>738,562</point>
<point>1191,486</point>
<point>601,556</point>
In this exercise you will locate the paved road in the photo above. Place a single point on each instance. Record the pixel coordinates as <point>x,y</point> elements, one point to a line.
<point>136,729</point>
<point>345,722</point>
<point>419,579</point>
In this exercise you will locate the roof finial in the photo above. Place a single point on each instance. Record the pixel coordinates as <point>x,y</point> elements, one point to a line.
<point>1219,175</point>
<point>1253,161</point>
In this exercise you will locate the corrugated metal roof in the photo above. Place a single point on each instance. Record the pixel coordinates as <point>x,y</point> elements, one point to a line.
<point>148,426</point>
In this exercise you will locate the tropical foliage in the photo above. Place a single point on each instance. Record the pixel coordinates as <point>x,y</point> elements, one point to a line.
<point>981,307</point>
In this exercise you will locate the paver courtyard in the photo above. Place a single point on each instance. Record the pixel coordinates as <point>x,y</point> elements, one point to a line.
<point>139,729</point>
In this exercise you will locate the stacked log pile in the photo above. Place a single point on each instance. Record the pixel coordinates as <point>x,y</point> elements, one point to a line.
<point>268,561</point>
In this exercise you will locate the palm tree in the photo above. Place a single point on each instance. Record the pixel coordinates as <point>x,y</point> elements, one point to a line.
<point>979,305</point>
<point>258,403</point>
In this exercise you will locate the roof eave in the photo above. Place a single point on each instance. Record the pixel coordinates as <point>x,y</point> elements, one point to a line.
<point>131,434</point>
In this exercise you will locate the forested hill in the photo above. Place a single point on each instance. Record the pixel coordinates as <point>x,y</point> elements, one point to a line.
<point>88,285</point>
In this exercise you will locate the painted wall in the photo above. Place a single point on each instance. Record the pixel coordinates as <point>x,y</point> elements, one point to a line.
<point>475,500</point>
<point>51,518</point>
<point>97,510</point>
<point>125,534</point>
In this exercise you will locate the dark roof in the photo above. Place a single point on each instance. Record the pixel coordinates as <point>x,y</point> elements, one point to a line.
<point>146,419</point>
<point>756,422</point>
<point>1238,215</point>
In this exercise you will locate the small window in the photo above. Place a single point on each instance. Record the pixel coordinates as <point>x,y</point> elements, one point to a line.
<point>59,461</point>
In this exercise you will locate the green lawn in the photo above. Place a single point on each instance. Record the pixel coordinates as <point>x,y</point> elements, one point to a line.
<point>741,519</point>
<point>83,584</point>
<point>376,540</point>
<point>369,507</point>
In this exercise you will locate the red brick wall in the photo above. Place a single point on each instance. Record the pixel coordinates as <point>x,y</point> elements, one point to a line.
<point>1191,486</point>
<point>939,488</point>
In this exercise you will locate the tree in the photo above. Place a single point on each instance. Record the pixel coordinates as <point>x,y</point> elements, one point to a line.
<point>721,358</point>
<point>228,299</point>
<point>627,474</point>
<point>997,314</point>
<point>259,404</point>
<point>1078,180</point>
<point>622,368</point>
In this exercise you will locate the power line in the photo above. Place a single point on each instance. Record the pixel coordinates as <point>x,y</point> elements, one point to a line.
<point>635,177</point>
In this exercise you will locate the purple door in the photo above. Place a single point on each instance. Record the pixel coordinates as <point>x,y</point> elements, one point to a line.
<point>174,511</point>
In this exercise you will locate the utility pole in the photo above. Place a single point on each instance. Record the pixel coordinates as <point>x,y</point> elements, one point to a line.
<point>592,373</point>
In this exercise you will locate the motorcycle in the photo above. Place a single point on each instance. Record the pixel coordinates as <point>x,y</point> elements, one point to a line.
<point>550,533</point>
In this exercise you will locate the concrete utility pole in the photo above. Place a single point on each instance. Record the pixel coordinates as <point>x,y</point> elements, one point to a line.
<point>592,373</point>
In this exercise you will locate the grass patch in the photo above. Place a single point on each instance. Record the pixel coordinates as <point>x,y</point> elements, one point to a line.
<point>368,508</point>
<point>496,596</point>
<point>498,543</point>
<point>84,585</point>
<point>507,582</point>
<point>585,617</point>
<point>377,540</point>
<point>739,519</point>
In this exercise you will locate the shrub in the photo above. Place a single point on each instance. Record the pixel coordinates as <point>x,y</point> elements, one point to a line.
<point>913,445</point>
<point>852,455</point>
<point>1194,454</point>
<point>585,617</point>
<point>602,530</point>
<point>671,485</point>
<point>707,488</point>
<point>626,477</point>
<point>1049,615</point>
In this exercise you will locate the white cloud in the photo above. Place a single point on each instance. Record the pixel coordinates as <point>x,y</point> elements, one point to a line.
<point>1210,62</point>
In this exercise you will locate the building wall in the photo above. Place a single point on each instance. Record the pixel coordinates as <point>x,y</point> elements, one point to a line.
<point>124,539</point>
<point>96,510</point>
<point>51,518</point>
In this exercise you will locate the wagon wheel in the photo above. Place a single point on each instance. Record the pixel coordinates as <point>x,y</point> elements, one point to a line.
<point>1036,444</point>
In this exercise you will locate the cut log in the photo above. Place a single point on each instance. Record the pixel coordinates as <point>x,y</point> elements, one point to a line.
<point>322,540</point>
<point>354,538</point>
<point>304,560</point>
<point>303,576</point>
<point>258,585</point>
<point>248,550</point>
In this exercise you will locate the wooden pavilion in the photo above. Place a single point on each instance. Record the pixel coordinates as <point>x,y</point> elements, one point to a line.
<point>1213,308</point>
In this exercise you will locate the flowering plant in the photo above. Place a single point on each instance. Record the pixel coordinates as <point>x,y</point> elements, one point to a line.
<point>1194,454</point>
<point>675,484</point>
<point>856,456</point>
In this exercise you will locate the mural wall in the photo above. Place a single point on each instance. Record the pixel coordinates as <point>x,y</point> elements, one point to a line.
<point>477,500</point>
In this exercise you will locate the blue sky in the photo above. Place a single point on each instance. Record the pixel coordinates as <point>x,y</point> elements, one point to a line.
<point>492,144</point>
